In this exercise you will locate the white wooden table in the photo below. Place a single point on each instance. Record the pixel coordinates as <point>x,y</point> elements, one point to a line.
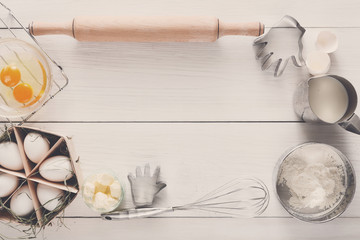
<point>204,112</point>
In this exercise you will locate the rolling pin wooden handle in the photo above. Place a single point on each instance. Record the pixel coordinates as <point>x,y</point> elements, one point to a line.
<point>45,28</point>
<point>147,29</point>
<point>244,29</point>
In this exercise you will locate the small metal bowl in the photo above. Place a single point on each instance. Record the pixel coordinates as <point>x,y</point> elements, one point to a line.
<point>312,214</point>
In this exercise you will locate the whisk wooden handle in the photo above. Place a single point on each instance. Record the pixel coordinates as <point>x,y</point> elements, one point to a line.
<point>147,29</point>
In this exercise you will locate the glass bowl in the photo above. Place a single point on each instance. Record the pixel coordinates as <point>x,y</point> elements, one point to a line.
<point>92,187</point>
<point>323,190</point>
<point>25,78</point>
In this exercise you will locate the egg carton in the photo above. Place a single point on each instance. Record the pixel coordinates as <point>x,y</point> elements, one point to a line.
<point>59,145</point>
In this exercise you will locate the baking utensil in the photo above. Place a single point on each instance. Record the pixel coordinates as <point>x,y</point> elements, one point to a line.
<point>147,28</point>
<point>243,197</point>
<point>144,187</point>
<point>315,152</point>
<point>303,108</point>
<point>281,43</point>
<point>11,28</point>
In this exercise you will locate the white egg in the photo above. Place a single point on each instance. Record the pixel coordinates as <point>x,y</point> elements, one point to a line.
<point>49,197</point>
<point>10,156</point>
<point>56,169</point>
<point>21,203</point>
<point>8,184</point>
<point>36,146</point>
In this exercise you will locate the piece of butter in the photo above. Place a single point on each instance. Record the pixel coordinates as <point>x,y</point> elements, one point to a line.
<point>111,202</point>
<point>105,179</point>
<point>115,190</point>
<point>100,200</point>
<point>101,188</point>
<point>89,190</point>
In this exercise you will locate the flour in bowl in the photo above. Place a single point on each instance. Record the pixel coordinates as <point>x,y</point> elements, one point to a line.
<point>315,176</point>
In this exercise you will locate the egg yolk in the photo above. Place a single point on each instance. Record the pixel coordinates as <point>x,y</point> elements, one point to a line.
<point>23,93</point>
<point>10,75</point>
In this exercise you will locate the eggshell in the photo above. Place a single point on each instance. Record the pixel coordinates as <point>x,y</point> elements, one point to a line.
<point>10,156</point>
<point>8,184</point>
<point>318,63</point>
<point>21,203</point>
<point>36,146</point>
<point>49,197</point>
<point>327,42</point>
<point>56,169</point>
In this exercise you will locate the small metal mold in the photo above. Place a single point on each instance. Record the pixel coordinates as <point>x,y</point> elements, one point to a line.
<point>281,43</point>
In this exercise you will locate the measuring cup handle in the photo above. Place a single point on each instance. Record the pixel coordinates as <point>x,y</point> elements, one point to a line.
<point>352,124</point>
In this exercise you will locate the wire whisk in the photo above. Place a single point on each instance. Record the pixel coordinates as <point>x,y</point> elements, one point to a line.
<point>243,197</point>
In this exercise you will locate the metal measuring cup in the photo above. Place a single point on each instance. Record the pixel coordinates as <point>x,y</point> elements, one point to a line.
<point>303,107</point>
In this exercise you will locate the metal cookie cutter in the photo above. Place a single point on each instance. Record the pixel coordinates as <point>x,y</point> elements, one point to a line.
<point>145,186</point>
<point>279,44</point>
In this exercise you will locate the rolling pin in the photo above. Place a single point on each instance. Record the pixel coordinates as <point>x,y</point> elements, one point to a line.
<point>147,29</point>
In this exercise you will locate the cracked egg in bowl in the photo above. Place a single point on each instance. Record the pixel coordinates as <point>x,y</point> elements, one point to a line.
<point>25,78</point>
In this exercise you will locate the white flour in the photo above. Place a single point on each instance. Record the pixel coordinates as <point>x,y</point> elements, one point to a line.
<point>315,176</point>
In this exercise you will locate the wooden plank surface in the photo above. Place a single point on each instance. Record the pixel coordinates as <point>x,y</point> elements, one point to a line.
<point>218,81</point>
<point>310,13</point>
<point>195,158</point>
<point>204,228</point>
<point>204,112</point>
